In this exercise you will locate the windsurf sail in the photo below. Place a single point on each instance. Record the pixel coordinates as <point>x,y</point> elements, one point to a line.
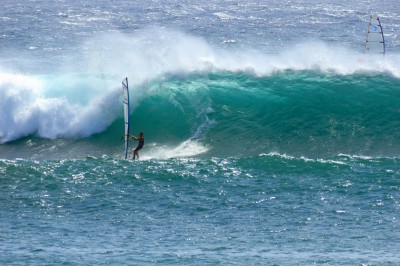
<point>125,101</point>
<point>375,42</point>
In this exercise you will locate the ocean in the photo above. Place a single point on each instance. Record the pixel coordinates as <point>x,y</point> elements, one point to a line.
<point>271,138</point>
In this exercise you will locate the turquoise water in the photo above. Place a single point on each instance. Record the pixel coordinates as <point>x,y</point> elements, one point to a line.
<point>267,209</point>
<point>271,138</point>
<point>227,114</point>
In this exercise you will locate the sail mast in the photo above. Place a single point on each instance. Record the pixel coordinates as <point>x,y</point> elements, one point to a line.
<point>125,101</point>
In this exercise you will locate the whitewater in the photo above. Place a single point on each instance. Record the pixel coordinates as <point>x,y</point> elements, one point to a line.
<point>271,137</point>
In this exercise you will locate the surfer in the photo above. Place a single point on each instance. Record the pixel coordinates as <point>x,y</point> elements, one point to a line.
<point>139,146</point>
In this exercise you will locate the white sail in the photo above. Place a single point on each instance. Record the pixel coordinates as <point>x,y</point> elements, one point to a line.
<point>125,94</point>
<point>375,42</point>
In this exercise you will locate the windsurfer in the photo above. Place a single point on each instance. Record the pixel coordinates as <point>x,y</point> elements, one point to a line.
<point>140,138</point>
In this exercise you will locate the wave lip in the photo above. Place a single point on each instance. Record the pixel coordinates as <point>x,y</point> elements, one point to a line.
<point>48,107</point>
<point>156,52</point>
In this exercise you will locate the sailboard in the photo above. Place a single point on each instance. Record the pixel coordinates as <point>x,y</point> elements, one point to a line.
<point>375,41</point>
<point>125,101</point>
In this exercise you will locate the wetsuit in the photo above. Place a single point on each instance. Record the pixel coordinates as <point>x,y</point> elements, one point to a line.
<point>141,143</point>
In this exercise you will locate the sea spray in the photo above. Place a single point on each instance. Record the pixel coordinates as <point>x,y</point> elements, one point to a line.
<point>64,107</point>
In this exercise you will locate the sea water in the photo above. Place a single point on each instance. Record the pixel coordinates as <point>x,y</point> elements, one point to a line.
<point>270,137</point>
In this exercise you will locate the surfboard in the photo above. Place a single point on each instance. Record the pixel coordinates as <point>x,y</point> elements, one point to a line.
<point>375,41</point>
<point>125,101</point>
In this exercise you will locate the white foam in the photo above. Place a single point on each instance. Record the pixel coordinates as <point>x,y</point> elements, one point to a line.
<point>188,148</point>
<point>302,158</point>
<point>31,105</point>
<point>154,52</point>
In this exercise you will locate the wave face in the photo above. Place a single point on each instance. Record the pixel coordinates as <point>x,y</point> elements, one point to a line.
<point>230,114</point>
<point>191,98</point>
<point>304,113</point>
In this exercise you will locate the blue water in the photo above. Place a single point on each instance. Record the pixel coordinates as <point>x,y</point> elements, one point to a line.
<point>271,138</point>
